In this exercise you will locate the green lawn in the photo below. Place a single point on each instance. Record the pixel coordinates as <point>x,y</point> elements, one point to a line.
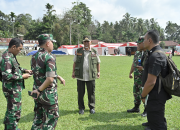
<point>113,97</point>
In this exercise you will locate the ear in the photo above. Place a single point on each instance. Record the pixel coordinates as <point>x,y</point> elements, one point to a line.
<point>47,44</point>
<point>13,47</point>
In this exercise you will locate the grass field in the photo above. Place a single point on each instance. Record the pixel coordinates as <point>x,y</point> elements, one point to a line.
<point>113,97</point>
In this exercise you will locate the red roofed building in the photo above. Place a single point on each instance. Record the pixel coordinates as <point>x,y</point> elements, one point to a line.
<point>169,44</point>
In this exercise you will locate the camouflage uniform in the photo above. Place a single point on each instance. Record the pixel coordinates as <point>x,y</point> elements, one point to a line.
<point>46,107</point>
<point>137,88</point>
<point>12,85</point>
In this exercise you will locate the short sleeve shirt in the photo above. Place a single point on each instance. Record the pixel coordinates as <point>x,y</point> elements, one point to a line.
<point>156,64</point>
<point>43,65</point>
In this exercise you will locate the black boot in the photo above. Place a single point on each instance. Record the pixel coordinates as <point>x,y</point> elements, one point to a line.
<point>134,109</point>
<point>144,114</point>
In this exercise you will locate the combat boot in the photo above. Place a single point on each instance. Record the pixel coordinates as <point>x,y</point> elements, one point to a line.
<point>134,109</point>
<point>144,114</point>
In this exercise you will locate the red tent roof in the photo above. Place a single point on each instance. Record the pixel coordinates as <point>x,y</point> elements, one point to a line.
<point>130,44</point>
<point>81,45</point>
<point>100,45</point>
<point>67,46</point>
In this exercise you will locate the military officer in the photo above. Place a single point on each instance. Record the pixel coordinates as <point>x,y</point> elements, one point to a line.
<point>86,69</point>
<point>137,87</point>
<point>43,65</point>
<point>13,83</point>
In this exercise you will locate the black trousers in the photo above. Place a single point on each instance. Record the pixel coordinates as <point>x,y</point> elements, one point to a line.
<point>91,93</point>
<point>155,115</point>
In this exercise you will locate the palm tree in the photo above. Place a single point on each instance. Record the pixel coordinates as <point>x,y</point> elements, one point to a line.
<point>12,19</point>
<point>49,17</point>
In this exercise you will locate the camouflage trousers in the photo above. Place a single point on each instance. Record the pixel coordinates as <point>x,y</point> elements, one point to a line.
<point>13,112</point>
<point>137,90</point>
<point>46,116</point>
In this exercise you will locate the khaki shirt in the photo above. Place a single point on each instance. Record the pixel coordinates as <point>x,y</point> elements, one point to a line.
<point>86,65</point>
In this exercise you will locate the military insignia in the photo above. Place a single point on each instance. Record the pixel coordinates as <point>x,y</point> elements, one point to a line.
<point>86,38</point>
<point>93,54</point>
<point>79,54</point>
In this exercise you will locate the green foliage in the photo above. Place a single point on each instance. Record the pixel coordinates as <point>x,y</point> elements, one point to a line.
<point>114,95</point>
<point>162,44</point>
<point>73,24</point>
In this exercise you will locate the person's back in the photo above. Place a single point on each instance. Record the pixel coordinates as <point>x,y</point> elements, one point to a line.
<point>39,63</point>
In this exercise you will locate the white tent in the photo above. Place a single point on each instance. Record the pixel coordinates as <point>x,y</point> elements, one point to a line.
<point>68,49</point>
<point>110,47</point>
<point>125,46</point>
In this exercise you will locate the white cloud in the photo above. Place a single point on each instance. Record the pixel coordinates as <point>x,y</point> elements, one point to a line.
<point>109,10</point>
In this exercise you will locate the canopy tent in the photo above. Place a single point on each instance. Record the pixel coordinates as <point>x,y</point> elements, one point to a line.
<point>123,49</point>
<point>68,49</point>
<point>53,52</point>
<point>101,49</point>
<point>110,48</point>
<point>31,53</point>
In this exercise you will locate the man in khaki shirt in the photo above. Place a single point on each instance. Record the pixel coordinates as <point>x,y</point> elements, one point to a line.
<point>86,63</point>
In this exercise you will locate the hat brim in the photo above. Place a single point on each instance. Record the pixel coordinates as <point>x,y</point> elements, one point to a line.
<point>139,41</point>
<point>86,40</point>
<point>53,40</point>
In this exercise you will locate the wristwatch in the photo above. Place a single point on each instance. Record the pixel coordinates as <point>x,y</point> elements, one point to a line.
<point>39,90</point>
<point>143,97</point>
<point>98,72</point>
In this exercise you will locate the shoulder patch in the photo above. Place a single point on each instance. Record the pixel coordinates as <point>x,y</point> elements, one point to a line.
<point>79,54</point>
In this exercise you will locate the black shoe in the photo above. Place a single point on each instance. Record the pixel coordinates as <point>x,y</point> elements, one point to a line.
<point>134,109</point>
<point>145,124</point>
<point>92,111</point>
<point>81,111</point>
<point>144,114</point>
<point>147,128</point>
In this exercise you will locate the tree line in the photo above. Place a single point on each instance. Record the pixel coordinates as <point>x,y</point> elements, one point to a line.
<point>72,25</point>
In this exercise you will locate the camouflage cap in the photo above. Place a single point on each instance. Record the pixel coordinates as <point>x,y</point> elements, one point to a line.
<point>43,37</point>
<point>86,39</point>
<point>141,39</point>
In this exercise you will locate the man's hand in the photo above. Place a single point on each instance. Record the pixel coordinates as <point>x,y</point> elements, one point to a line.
<point>35,91</point>
<point>143,100</point>
<point>26,76</point>
<point>29,71</point>
<point>61,79</point>
<point>98,75</point>
<point>73,75</point>
<point>140,68</point>
<point>130,76</point>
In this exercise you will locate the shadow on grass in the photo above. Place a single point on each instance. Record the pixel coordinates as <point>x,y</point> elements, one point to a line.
<point>1,121</point>
<point>27,118</point>
<point>115,127</point>
<point>109,117</point>
<point>68,112</point>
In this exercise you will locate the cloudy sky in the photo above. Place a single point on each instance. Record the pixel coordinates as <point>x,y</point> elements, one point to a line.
<point>109,10</point>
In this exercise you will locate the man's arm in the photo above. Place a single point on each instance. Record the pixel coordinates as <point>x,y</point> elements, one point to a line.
<point>7,71</point>
<point>131,71</point>
<point>73,73</point>
<point>149,85</point>
<point>98,70</point>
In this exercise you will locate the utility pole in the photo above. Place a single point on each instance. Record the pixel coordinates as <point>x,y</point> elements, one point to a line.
<point>70,32</point>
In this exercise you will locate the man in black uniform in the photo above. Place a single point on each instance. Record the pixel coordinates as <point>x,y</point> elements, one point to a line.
<point>155,65</point>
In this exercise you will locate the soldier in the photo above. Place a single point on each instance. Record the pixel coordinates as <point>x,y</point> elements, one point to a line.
<point>86,63</point>
<point>137,87</point>
<point>43,65</point>
<point>13,83</point>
